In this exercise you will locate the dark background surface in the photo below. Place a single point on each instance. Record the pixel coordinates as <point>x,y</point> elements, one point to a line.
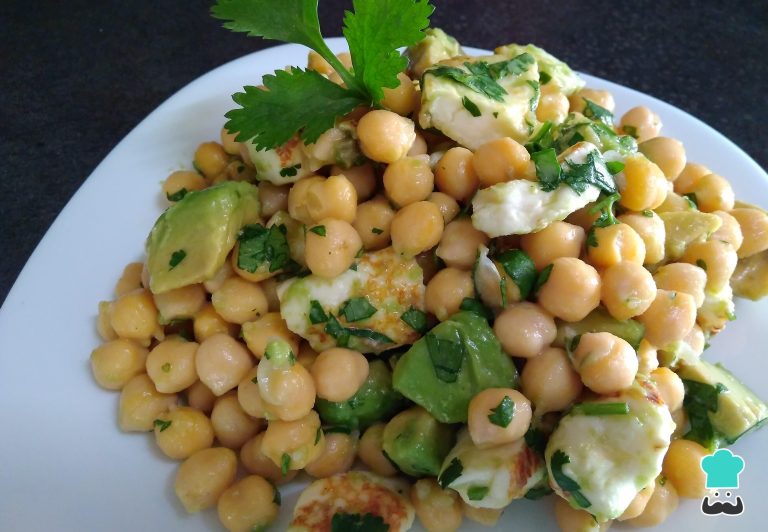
<point>77,76</point>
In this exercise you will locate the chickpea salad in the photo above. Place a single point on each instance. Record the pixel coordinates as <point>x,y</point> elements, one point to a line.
<point>432,284</point>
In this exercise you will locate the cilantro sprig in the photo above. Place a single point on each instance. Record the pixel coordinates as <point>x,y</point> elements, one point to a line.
<point>303,101</point>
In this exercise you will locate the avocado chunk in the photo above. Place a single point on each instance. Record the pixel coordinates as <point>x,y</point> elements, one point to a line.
<point>416,442</point>
<point>683,228</point>
<point>720,408</point>
<point>374,401</point>
<point>435,46</point>
<point>191,239</point>
<point>599,320</point>
<point>551,69</point>
<point>453,362</point>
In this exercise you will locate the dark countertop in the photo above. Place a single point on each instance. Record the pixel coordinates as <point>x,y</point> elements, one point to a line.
<point>79,75</point>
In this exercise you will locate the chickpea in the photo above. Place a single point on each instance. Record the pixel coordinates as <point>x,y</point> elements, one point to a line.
<point>338,456</point>
<point>570,519</point>
<point>641,123</point>
<point>447,205</point>
<point>615,243</point>
<point>651,229</point>
<point>373,222</point>
<point>670,387</point>
<point>642,184</point>
<point>438,510</point>
<point>180,182</point>
<point>459,244</point>
<point>524,329</point>
<point>298,198</point>
<point>729,231</point>
<point>171,365</point>
<point>249,396</point>
<point>486,433</point>
<point>754,228</point>
<point>553,107</point>
<point>339,373</point>
<point>103,322</point>
<point>549,381</point>
<point>221,363</point>
<point>639,503</point>
<point>116,362</point>
<point>572,289</point>
<point>232,426</point>
<point>607,364</point>
<point>181,303</point>
<point>286,388</point>
<point>248,504</point>
<point>316,62</point>
<point>204,476</point>
<point>682,467</point>
<point>130,280</point>
<point>270,326</point>
<point>256,463</point>
<point>134,316</point>
<point>273,198</point>
<point>362,178</point>
<point>558,239</point>
<point>682,277</point>
<point>221,275</point>
<point>207,322</point>
<point>667,153</point>
<point>419,146</point>
<point>334,197</point>
<point>670,318</point>
<point>446,290</point>
<point>647,358</point>
<point>370,451</point>
<point>408,180</point>
<point>182,432</point>
<point>270,292</point>
<point>238,300</point>
<point>141,404</point>
<point>583,217</point>
<point>662,503</point>
<point>201,397</point>
<point>627,290</point>
<point>455,174</point>
<point>331,254</point>
<point>689,176</point>
<point>715,257</point>
<point>416,227</point>
<point>401,99</point>
<point>210,159</point>
<point>601,97</point>
<point>484,516</point>
<point>713,193</point>
<point>306,356</point>
<point>385,136</point>
<point>228,142</point>
<point>291,445</point>
<point>500,160</point>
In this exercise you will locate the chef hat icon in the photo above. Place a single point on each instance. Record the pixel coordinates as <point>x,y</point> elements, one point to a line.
<point>722,469</point>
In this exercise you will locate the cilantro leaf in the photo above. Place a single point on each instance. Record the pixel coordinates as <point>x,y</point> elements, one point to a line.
<point>614,167</point>
<point>470,106</point>
<point>477,493</point>
<point>261,246</point>
<point>450,473</point>
<point>605,208</point>
<point>566,483</point>
<point>579,176</point>
<point>447,356</point>
<point>536,440</point>
<point>536,493</point>
<point>502,415</point>
<point>162,424</point>
<point>357,309</point>
<point>601,409</point>
<point>520,268</point>
<point>375,31</point>
<point>542,278</point>
<point>316,313</point>
<point>176,258</point>
<point>475,305</point>
<point>269,118</point>
<point>368,522</point>
<point>597,112</point>
<point>547,169</point>
<point>415,319</point>
<point>178,195</point>
<point>700,399</point>
<point>483,78</point>
<point>285,463</point>
<point>318,230</point>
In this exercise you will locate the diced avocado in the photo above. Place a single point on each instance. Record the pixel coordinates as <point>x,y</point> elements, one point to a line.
<point>750,279</point>
<point>473,118</point>
<point>491,478</point>
<point>738,411</point>
<point>551,69</point>
<point>416,442</point>
<point>435,46</point>
<point>453,362</point>
<point>683,228</point>
<point>679,352</point>
<point>191,239</point>
<point>374,401</point>
<point>599,320</point>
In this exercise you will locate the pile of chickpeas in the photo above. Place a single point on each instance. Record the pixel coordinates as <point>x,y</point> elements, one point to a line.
<point>189,363</point>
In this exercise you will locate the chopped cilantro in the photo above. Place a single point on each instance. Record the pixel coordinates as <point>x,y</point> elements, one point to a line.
<point>502,415</point>
<point>276,498</point>
<point>368,522</point>
<point>605,208</point>
<point>337,331</point>
<point>166,367</point>
<point>318,230</point>
<point>631,131</point>
<point>477,493</point>
<point>543,277</point>
<point>547,168</point>
<point>699,400</point>
<point>176,258</point>
<point>316,313</point>
<point>601,409</point>
<point>285,463</point>
<point>533,103</point>
<point>178,195</point>
<point>534,494</point>
<point>701,264</point>
<point>648,213</point>
<point>592,238</point>
<point>520,268</point>
<point>536,440</point>
<point>377,231</point>
<point>318,435</point>
<point>614,167</point>
<point>693,202</point>
<point>470,106</point>
<point>357,309</point>
<point>450,473</point>
<point>566,483</point>
<point>544,77</point>
<point>597,112</point>
<point>261,246</point>
<point>475,305</point>
<point>416,320</point>
<point>447,356</point>
<point>290,171</point>
<point>162,424</point>
<point>482,77</point>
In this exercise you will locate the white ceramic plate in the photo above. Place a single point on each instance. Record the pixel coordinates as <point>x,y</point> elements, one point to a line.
<point>64,465</point>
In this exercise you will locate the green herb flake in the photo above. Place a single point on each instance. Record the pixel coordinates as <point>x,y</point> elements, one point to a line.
<point>285,463</point>
<point>368,522</point>
<point>447,356</point>
<point>566,483</point>
<point>534,494</point>
<point>290,171</point>
<point>166,367</point>
<point>377,231</point>
<point>162,424</point>
<point>277,498</point>
<point>178,195</point>
<point>483,78</point>
<point>316,313</point>
<point>699,400</point>
<point>614,167</point>
<point>470,106</point>
<point>543,277</point>
<point>337,331</point>
<point>533,103</point>
<point>415,319</point>
<point>502,415</point>
<point>648,213</point>
<point>318,435</point>
<point>176,258</point>
<point>597,112</point>
<point>605,208</point>
<point>601,409</point>
<point>544,77</point>
<point>547,168</point>
<point>536,440</point>
<point>477,493</point>
<point>690,198</point>
<point>450,473</point>
<point>701,264</point>
<point>357,309</point>
<point>262,247</point>
<point>592,238</point>
<point>520,268</point>
<point>475,305</point>
<point>631,131</point>
<point>318,230</point>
